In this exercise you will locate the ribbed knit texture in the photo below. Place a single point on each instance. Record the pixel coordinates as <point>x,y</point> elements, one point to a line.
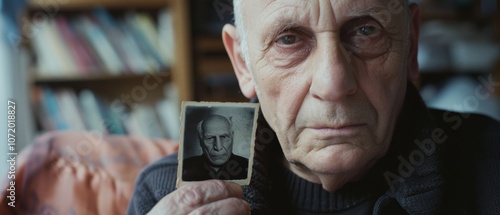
<point>305,197</point>
<point>153,184</point>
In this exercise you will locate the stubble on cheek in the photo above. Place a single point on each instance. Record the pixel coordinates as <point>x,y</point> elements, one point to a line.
<point>386,98</point>
<point>281,94</point>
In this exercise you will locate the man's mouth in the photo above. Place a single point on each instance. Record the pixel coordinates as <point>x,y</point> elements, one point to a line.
<point>216,157</point>
<point>337,130</point>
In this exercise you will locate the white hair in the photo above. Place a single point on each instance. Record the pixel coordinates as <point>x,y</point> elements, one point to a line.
<point>242,36</point>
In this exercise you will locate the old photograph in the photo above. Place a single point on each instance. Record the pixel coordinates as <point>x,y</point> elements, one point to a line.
<point>217,141</point>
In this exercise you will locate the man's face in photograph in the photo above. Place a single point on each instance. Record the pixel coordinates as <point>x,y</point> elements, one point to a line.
<point>216,140</point>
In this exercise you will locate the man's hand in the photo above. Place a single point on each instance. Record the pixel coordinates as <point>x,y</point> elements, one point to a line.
<point>206,197</point>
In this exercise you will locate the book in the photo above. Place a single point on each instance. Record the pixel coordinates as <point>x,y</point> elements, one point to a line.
<point>118,40</point>
<point>166,35</point>
<point>139,59</point>
<point>148,121</point>
<point>146,25</point>
<point>91,111</point>
<point>44,120</point>
<point>168,111</point>
<point>70,109</point>
<point>146,45</point>
<point>142,121</point>
<point>84,63</point>
<point>53,111</point>
<point>63,58</point>
<point>96,64</point>
<point>132,124</point>
<point>111,118</point>
<point>101,44</point>
<point>47,64</point>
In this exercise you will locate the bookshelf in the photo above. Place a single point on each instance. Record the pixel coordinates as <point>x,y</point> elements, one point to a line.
<point>144,67</point>
<point>214,76</point>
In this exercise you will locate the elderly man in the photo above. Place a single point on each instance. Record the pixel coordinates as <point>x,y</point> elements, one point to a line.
<point>217,160</point>
<point>342,131</point>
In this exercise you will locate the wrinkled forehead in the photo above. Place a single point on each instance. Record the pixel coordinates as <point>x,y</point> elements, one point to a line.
<point>320,13</point>
<point>338,6</point>
<point>215,126</point>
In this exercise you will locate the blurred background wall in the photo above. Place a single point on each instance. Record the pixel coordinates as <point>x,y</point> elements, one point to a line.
<point>459,55</point>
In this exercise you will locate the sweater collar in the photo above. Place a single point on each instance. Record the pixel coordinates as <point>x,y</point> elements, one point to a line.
<point>306,196</point>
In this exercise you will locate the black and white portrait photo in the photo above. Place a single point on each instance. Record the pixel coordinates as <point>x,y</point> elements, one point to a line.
<point>217,141</point>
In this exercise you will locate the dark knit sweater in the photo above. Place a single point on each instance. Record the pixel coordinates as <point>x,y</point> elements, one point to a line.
<point>198,168</point>
<point>438,163</point>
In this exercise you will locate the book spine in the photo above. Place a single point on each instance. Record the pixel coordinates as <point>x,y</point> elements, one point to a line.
<point>70,109</point>
<point>102,46</point>
<point>91,110</point>
<point>53,110</point>
<point>146,46</point>
<point>75,47</point>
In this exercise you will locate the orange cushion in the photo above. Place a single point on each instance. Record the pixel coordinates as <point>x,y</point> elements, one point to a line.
<point>80,173</point>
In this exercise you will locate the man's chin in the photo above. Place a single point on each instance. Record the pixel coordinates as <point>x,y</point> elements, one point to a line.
<point>336,159</point>
<point>219,162</point>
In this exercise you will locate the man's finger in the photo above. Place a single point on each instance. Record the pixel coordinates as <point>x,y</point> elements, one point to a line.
<point>229,206</point>
<point>200,193</point>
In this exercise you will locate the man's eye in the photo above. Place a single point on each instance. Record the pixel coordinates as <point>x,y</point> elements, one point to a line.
<point>367,30</point>
<point>288,40</point>
<point>365,38</point>
<point>289,47</point>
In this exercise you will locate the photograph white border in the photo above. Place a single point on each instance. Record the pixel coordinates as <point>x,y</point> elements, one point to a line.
<point>180,157</point>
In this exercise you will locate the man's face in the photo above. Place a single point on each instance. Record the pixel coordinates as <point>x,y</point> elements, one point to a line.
<point>217,140</point>
<point>330,77</point>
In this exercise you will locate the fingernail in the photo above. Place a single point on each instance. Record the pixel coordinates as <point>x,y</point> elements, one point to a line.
<point>235,186</point>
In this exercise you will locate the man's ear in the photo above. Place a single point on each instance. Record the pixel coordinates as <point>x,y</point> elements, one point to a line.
<point>233,49</point>
<point>414,33</point>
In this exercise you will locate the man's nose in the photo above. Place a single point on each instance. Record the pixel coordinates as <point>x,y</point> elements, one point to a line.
<point>218,144</point>
<point>333,77</point>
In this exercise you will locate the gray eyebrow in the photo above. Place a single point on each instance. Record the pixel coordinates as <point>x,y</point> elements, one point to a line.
<point>376,10</point>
